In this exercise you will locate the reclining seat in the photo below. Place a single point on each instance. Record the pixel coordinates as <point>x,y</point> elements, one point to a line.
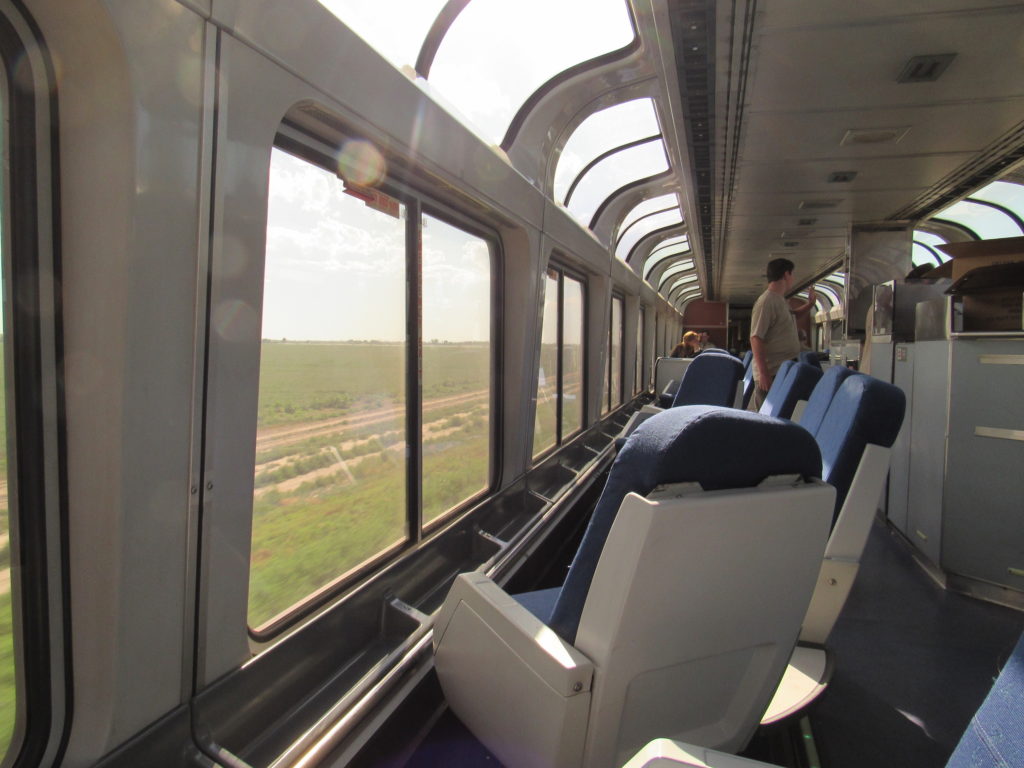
<point>821,397</point>
<point>711,379</point>
<point>787,397</point>
<point>855,435</point>
<point>678,613</point>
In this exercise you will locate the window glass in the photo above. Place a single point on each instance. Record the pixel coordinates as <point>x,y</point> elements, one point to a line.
<point>930,239</point>
<point>601,132</point>
<point>644,227</point>
<point>330,473</point>
<point>659,256</point>
<point>545,429</point>
<point>374,21</point>
<point>456,366</point>
<point>828,291</point>
<point>921,255</point>
<point>496,55</point>
<point>984,220</point>
<point>614,399</point>
<point>1004,193</point>
<point>677,269</point>
<point>646,208</point>
<point>572,357</point>
<point>611,174</point>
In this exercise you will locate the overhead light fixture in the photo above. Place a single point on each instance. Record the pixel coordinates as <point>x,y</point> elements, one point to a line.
<point>925,69</point>
<point>873,135</point>
<point>818,205</point>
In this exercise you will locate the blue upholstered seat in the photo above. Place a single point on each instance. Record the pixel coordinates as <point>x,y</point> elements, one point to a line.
<point>716,447</point>
<point>797,384</point>
<point>810,358</point>
<point>995,736</point>
<point>821,397</point>
<point>710,380</point>
<point>864,410</point>
<point>748,357</point>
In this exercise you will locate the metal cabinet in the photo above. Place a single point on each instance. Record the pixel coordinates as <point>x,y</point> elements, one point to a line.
<point>983,520</point>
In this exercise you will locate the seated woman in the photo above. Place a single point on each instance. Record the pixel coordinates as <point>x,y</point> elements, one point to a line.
<point>689,346</point>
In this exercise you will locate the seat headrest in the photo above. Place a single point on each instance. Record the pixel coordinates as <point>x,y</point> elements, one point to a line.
<point>864,410</point>
<point>717,447</point>
<point>821,397</point>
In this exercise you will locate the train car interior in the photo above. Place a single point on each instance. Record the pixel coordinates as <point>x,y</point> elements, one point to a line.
<point>383,381</point>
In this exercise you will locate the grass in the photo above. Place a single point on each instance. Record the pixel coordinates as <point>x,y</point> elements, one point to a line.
<point>309,535</point>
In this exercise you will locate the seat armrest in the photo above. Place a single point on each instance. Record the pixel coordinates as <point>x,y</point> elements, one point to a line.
<point>665,753</point>
<point>558,664</point>
<point>522,690</point>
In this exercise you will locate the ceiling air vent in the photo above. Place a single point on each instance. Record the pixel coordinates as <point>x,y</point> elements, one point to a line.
<point>841,177</point>
<point>925,69</point>
<point>818,205</point>
<point>873,135</point>
<point>791,244</point>
<point>806,222</point>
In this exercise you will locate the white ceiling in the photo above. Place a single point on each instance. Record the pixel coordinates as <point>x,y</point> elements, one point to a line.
<point>817,68</point>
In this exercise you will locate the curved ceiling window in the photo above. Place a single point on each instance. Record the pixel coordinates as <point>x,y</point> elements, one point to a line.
<point>669,284</point>
<point>664,253</point>
<point>495,55</point>
<point>925,250</point>
<point>644,226</point>
<point>647,208</point>
<point>1005,193</point>
<point>677,269</point>
<point>985,220</point>
<point>374,21</point>
<point>612,173</point>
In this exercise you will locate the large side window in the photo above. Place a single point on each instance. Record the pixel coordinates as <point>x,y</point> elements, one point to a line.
<point>613,390</point>
<point>351,361</point>
<point>456,366</point>
<point>560,412</point>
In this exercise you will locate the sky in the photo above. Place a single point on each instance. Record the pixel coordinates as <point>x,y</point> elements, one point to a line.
<point>335,268</point>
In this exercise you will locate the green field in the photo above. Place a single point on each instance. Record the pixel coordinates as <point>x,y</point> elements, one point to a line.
<point>333,495</point>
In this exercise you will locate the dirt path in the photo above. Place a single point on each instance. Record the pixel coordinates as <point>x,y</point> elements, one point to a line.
<point>295,433</point>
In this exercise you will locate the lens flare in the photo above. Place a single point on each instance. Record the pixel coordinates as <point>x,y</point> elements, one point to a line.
<point>361,163</point>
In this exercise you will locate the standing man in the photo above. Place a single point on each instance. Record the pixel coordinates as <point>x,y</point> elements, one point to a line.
<point>773,335</point>
<point>706,342</point>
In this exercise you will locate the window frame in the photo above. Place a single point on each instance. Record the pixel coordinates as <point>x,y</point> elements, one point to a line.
<point>562,437</point>
<point>34,401</point>
<point>418,203</point>
<point>609,398</point>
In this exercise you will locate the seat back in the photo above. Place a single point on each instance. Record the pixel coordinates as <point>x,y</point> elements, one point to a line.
<point>669,369</point>
<point>821,397</point>
<point>660,451</point>
<point>709,380</point>
<point>855,436</point>
<point>864,411</point>
<point>682,643</point>
<point>995,736</point>
<point>787,390</point>
<point>810,357</point>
